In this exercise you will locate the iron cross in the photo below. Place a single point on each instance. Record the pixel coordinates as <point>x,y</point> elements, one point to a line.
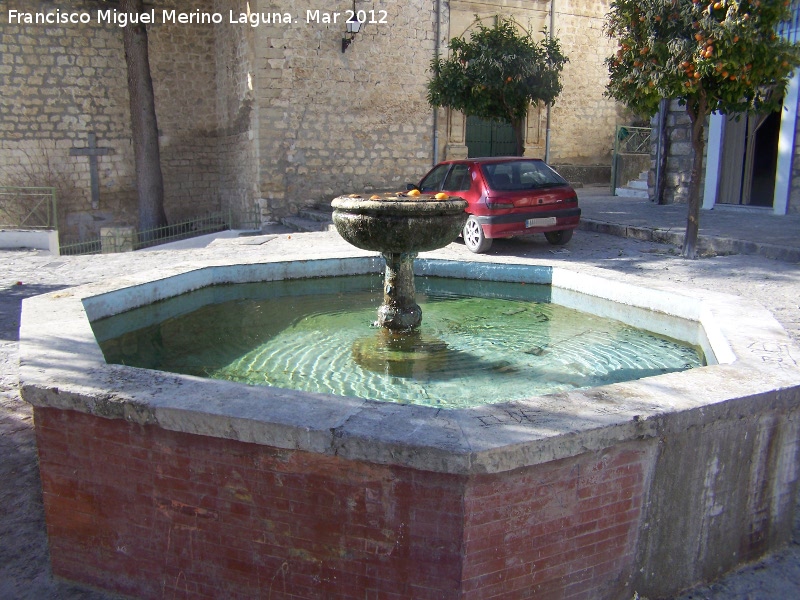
<point>92,151</point>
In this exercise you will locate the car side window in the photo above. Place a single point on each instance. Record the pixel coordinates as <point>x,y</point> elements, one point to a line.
<point>458,180</point>
<point>433,181</point>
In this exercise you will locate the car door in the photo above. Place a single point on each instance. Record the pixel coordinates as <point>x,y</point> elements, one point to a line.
<point>461,182</point>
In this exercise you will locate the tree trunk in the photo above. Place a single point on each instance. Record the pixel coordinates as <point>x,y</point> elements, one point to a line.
<point>697,114</point>
<point>519,135</point>
<point>144,127</point>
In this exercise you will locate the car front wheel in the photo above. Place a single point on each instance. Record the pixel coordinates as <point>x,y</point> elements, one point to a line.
<point>474,239</point>
<point>558,238</point>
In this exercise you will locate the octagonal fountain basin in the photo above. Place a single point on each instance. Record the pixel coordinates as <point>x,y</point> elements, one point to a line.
<point>481,342</point>
<point>157,483</point>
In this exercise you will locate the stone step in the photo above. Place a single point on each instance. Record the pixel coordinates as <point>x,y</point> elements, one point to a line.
<point>302,224</point>
<point>628,192</point>
<point>643,175</point>
<point>316,214</point>
<point>637,184</point>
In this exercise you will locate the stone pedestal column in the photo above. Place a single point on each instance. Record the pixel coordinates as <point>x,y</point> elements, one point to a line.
<point>399,310</point>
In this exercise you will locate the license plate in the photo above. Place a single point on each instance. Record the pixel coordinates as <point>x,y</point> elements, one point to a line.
<point>543,222</point>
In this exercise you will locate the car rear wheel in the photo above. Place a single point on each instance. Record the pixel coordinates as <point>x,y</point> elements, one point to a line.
<point>558,238</point>
<point>474,239</point>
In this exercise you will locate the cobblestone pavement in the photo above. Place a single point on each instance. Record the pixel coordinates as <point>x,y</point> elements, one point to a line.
<point>24,565</point>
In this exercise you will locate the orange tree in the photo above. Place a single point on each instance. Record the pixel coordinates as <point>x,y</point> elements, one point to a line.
<point>497,74</point>
<point>723,56</point>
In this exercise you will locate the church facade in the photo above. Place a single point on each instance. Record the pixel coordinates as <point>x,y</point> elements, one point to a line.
<point>261,107</point>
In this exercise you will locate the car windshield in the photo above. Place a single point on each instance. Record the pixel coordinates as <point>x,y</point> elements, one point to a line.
<point>520,175</point>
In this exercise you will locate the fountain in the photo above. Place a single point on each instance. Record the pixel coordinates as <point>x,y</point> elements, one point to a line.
<point>158,484</point>
<point>399,226</point>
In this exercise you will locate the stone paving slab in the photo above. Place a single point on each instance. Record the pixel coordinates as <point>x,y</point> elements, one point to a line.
<point>723,230</point>
<point>24,568</point>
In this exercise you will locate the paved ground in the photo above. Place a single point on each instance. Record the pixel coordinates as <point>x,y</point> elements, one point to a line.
<point>24,567</point>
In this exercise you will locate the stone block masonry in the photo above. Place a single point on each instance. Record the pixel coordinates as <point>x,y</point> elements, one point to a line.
<point>333,122</point>
<point>583,120</point>
<point>58,83</point>
<point>678,146</point>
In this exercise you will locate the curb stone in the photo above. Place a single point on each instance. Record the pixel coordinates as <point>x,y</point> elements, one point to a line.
<point>707,245</point>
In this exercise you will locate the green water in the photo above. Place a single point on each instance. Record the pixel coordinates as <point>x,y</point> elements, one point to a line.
<point>479,342</point>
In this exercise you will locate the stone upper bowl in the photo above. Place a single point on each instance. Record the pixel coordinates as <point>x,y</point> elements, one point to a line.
<point>398,222</point>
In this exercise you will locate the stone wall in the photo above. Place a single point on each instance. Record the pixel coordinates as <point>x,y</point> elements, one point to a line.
<point>236,116</point>
<point>332,121</point>
<point>59,83</point>
<point>678,148</point>
<point>582,119</point>
<point>183,64</point>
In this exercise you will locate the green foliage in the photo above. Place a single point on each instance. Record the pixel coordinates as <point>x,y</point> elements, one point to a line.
<point>497,73</point>
<point>720,56</point>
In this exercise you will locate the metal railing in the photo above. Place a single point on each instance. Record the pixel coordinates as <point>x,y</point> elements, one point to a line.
<point>92,246</point>
<point>126,239</point>
<point>28,208</point>
<point>628,140</point>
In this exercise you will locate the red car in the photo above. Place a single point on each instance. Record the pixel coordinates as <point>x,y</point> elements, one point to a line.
<point>507,196</point>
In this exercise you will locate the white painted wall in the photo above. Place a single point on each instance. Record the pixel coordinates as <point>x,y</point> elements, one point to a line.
<point>39,239</point>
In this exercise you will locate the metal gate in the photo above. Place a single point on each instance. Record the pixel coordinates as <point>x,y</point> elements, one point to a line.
<point>489,138</point>
<point>629,143</point>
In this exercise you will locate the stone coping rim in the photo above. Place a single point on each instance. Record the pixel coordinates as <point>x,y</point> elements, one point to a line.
<point>405,207</point>
<point>61,366</point>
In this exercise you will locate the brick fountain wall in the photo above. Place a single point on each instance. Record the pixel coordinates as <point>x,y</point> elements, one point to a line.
<point>153,513</point>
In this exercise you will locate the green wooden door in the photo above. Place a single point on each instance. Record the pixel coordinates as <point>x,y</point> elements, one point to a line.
<point>489,138</point>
